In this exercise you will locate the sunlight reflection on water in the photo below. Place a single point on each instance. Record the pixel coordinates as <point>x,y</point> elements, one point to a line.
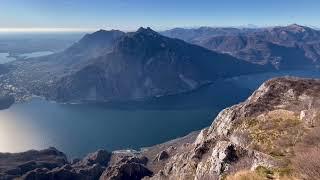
<point>17,136</point>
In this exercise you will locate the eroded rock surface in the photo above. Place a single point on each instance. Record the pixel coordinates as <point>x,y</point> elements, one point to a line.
<point>127,167</point>
<point>258,135</point>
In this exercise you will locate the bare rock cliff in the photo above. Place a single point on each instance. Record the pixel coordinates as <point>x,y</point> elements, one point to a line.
<point>264,137</point>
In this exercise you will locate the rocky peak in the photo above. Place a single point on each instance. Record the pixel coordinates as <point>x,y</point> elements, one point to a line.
<point>146,31</point>
<point>144,40</point>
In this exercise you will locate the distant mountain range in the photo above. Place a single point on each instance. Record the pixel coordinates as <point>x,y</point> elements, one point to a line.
<point>288,47</point>
<point>113,66</point>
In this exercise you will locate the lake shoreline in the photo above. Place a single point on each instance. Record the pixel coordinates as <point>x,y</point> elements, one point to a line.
<point>182,113</point>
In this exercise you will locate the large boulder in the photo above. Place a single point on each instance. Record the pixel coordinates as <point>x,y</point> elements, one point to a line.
<point>101,157</point>
<point>127,168</point>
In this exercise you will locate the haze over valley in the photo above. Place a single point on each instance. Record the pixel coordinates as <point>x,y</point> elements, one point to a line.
<point>123,90</point>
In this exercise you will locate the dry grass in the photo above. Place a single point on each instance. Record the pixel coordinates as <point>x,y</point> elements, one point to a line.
<point>261,173</point>
<point>245,175</point>
<point>275,133</point>
<point>284,136</point>
<point>287,139</point>
<point>307,155</point>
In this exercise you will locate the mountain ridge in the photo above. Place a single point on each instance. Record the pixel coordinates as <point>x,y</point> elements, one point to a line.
<point>252,46</point>
<point>126,66</point>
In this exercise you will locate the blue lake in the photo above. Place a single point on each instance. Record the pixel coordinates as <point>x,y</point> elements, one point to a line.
<point>35,54</point>
<point>78,129</point>
<point>5,57</point>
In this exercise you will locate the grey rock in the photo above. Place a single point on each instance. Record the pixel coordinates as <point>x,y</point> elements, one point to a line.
<point>101,157</point>
<point>223,148</point>
<point>127,166</point>
<point>162,156</point>
<point>17,164</point>
<point>126,171</point>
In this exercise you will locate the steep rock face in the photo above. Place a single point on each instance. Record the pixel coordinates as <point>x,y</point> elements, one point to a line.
<point>261,134</point>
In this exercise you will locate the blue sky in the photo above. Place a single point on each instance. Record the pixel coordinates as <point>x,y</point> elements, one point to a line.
<point>158,14</point>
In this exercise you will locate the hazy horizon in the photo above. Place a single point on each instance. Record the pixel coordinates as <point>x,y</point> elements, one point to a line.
<point>80,30</point>
<point>128,15</point>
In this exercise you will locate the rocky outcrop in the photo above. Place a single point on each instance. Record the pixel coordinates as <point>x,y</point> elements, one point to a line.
<point>260,133</point>
<point>52,164</point>
<point>127,167</point>
<point>162,156</point>
<point>90,167</point>
<point>17,164</point>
